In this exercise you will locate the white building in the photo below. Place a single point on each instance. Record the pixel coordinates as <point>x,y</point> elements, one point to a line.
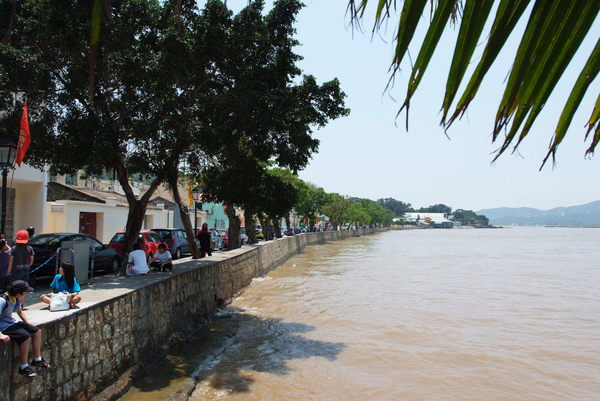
<point>26,200</point>
<point>439,220</point>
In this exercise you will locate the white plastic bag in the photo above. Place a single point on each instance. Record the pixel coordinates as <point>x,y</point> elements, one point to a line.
<point>59,301</point>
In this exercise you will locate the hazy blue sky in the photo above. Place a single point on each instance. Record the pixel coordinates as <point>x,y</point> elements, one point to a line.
<point>371,155</point>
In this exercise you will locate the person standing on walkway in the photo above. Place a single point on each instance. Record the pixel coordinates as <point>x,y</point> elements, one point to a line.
<point>204,239</point>
<point>20,332</point>
<point>4,270</point>
<point>21,258</point>
<point>137,264</point>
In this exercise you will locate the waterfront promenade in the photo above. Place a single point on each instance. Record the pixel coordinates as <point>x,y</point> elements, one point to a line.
<point>121,321</point>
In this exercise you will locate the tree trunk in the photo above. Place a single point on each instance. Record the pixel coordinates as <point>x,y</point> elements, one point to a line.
<point>233,241</point>
<point>137,211</point>
<point>277,227</point>
<point>185,218</point>
<point>265,229</point>
<point>250,227</point>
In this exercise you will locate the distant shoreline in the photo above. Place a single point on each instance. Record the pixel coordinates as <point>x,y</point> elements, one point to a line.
<point>572,226</point>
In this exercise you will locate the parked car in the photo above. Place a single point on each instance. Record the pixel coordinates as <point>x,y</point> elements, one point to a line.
<point>217,240</point>
<point>224,233</point>
<point>46,246</point>
<point>176,239</point>
<point>241,236</point>
<point>148,240</point>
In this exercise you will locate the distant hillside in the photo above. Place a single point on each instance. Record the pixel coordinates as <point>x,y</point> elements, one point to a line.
<point>583,215</point>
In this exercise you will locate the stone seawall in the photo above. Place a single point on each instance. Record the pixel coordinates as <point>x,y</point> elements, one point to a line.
<point>122,320</point>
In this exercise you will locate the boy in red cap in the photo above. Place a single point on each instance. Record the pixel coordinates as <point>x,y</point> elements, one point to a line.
<point>20,332</point>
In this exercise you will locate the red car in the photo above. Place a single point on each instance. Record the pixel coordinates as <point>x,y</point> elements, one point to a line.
<point>224,234</point>
<point>148,240</point>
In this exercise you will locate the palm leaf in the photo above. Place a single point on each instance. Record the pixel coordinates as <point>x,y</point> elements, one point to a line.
<point>474,17</point>
<point>553,35</point>
<point>411,13</point>
<point>588,74</point>
<point>549,63</point>
<point>440,18</point>
<point>593,121</point>
<point>508,14</point>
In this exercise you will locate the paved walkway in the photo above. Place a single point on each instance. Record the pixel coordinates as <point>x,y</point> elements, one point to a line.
<point>111,286</point>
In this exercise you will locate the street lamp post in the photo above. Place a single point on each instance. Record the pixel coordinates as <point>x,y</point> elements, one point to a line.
<point>196,194</point>
<point>8,153</point>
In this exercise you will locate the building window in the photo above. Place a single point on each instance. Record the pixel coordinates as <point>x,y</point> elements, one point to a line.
<point>70,179</point>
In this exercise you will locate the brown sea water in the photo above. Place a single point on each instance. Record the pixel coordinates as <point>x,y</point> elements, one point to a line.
<point>506,314</point>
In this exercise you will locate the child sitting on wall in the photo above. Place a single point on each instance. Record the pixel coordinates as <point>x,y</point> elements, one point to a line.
<point>20,332</point>
<point>65,281</point>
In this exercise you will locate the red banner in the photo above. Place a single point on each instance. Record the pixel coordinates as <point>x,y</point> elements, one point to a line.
<point>24,138</point>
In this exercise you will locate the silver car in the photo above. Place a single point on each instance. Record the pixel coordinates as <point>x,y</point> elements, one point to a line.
<point>216,239</point>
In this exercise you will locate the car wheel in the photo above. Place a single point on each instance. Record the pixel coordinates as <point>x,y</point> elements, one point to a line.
<point>115,265</point>
<point>32,281</point>
<point>178,253</point>
<point>150,257</point>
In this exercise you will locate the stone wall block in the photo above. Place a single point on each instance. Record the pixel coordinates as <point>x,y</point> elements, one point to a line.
<point>66,350</point>
<point>72,327</point>
<point>81,325</point>
<point>62,330</point>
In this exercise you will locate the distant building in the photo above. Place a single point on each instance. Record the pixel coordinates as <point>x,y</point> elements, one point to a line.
<point>439,220</point>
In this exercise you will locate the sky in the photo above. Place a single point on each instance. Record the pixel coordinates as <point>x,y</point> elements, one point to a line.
<point>370,154</point>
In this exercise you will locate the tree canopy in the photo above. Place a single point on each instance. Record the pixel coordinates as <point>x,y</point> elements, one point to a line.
<point>218,91</point>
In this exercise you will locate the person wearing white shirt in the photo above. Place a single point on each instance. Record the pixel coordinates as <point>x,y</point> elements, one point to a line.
<point>136,264</point>
<point>162,261</point>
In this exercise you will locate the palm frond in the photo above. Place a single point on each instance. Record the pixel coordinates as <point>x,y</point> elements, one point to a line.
<point>441,16</point>
<point>554,32</point>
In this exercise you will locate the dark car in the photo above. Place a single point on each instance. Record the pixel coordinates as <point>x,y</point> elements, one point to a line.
<point>176,239</point>
<point>45,246</point>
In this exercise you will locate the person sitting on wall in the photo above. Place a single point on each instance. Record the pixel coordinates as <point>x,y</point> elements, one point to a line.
<point>162,260</point>
<point>65,281</point>
<point>136,264</point>
<point>20,332</point>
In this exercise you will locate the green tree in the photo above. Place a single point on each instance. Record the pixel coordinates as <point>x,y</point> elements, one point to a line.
<point>438,208</point>
<point>554,32</point>
<point>312,200</point>
<point>164,89</point>
<point>469,218</point>
<point>396,206</point>
<point>265,114</point>
<point>132,120</point>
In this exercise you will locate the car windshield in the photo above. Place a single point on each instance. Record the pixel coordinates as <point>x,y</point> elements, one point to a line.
<point>164,234</point>
<point>45,239</point>
<point>119,237</point>
<point>153,238</point>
